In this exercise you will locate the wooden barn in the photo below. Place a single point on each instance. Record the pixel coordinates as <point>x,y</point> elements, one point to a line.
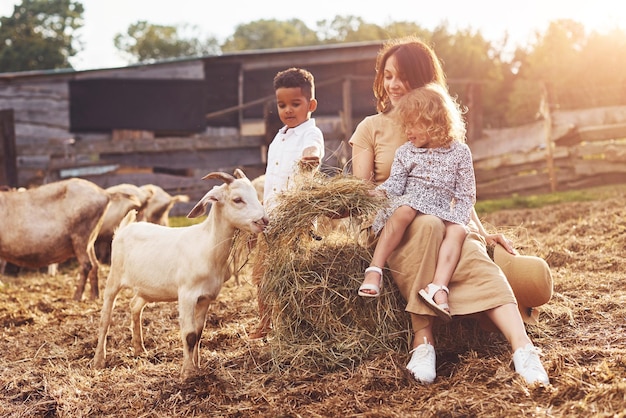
<point>171,122</point>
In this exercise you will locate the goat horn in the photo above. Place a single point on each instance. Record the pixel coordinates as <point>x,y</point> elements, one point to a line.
<point>225,177</point>
<point>240,174</point>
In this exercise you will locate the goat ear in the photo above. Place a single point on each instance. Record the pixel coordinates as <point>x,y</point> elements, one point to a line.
<point>149,188</point>
<point>225,177</point>
<point>198,210</point>
<point>213,195</point>
<point>240,174</point>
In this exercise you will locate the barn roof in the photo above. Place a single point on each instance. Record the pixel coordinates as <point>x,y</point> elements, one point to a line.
<point>249,59</point>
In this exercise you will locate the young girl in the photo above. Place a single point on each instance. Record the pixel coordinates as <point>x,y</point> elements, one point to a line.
<point>432,174</point>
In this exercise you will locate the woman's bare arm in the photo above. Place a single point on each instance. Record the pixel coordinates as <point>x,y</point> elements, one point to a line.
<point>492,239</point>
<point>362,163</point>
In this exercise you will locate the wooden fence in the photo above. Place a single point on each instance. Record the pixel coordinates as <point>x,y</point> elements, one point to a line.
<point>569,150</point>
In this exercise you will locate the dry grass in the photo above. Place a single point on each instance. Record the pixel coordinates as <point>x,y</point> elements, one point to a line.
<point>48,342</point>
<point>319,322</point>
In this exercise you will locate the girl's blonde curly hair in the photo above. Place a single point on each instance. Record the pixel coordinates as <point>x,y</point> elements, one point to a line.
<point>435,110</point>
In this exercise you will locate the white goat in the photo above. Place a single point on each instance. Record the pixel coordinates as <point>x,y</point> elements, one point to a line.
<point>241,255</point>
<point>159,204</point>
<point>259,185</point>
<point>185,264</point>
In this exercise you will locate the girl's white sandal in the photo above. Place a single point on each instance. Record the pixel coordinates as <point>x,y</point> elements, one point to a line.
<point>368,286</point>
<point>442,310</point>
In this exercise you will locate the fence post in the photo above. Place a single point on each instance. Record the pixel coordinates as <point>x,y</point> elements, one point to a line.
<point>544,110</point>
<point>474,114</point>
<point>8,154</point>
<point>346,120</point>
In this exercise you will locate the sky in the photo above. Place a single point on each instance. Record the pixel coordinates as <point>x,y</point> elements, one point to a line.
<point>103,19</point>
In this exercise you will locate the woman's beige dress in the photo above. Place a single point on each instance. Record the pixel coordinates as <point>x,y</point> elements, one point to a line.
<point>477,284</point>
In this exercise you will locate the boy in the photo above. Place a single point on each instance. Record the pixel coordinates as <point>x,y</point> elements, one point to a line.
<point>298,142</point>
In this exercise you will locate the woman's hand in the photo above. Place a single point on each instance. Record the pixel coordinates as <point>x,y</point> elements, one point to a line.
<point>493,239</point>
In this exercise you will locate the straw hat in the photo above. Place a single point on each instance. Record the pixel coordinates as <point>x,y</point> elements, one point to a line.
<point>530,279</point>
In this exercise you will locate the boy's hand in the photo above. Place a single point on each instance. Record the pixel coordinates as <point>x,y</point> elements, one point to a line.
<point>310,160</point>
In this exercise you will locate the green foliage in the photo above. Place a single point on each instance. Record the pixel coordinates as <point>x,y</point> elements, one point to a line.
<point>178,221</point>
<point>603,63</point>
<point>403,28</point>
<point>538,201</point>
<point>267,34</point>
<point>40,35</point>
<point>523,102</point>
<point>579,71</point>
<point>144,42</point>
<point>348,29</point>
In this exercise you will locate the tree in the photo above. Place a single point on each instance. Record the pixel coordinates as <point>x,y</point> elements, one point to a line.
<point>349,29</point>
<point>267,34</point>
<point>145,42</point>
<point>554,61</point>
<point>40,35</point>
<point>468,58</point>
<point>400,29</point>
<point>603,59</point>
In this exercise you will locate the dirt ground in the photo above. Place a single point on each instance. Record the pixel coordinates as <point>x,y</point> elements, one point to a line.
<point>48,340</point>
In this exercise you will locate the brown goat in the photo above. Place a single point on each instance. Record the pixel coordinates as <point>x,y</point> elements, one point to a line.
<point>124,198</point>
<point>53,223</point>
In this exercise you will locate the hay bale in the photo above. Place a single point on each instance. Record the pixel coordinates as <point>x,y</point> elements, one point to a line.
<point>310,286</point>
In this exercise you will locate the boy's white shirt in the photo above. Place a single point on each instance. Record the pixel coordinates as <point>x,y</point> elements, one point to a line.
<point>283,155</point>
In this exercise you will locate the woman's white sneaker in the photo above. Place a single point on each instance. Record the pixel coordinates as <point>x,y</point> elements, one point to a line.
<point>528,365</point>
<point>423,363</point>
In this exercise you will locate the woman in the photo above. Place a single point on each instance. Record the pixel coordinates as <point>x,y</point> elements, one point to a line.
<point>478,285</point>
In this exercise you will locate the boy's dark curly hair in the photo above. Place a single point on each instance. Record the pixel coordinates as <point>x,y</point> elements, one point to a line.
<point>296,77</point>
